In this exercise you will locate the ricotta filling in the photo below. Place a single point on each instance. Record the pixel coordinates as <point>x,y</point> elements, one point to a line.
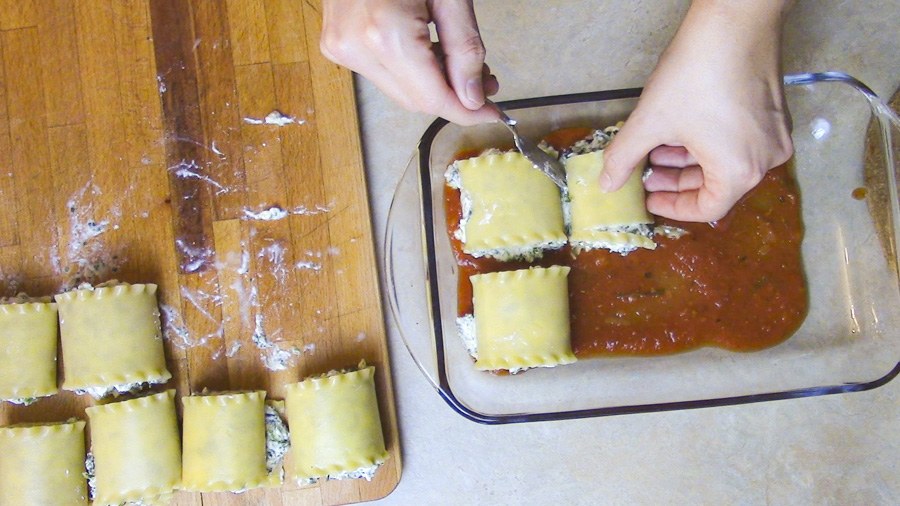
<point>278,440</point>
<point>24,401</point>
<point>114,390</point>
<point>366,473</point>
<point>642,229</point>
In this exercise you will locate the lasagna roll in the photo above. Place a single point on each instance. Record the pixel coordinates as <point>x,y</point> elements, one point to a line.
<point>27,351</point>
<point>335,426</point>
<point>509,208</point>
<point>522,319</point>
<point>224,442</point>
<point>43,464</point>
<point>617,221</point>
<point>111,339</point>
<point>136,450</point>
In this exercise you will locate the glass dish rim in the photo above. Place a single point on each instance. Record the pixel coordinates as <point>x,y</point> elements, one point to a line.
<point>433,292</point>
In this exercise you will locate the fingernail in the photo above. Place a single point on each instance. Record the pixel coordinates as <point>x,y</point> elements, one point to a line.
<point>475,92</point>
<point>605,182</point>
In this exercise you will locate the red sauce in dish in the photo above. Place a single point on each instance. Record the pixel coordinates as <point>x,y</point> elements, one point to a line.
<point>737,283</point>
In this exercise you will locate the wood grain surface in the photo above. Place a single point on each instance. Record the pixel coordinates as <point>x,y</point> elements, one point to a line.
<point>130,149</point>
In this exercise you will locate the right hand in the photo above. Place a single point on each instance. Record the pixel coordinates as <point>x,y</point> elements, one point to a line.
<point>388,42</point>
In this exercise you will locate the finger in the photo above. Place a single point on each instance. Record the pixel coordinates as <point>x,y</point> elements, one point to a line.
<point>628,148</point>
<point>672,156</point>
<point>670,179</point>
<point>491,84</point>
<point>699,205</point>
<point>463,49</point>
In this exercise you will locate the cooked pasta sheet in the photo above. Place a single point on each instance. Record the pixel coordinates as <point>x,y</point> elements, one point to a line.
<point>617,220</point>
<point>522,319</point>
<point>27,350</point>
<point>43,465</point>
<point>509,208</point>
<point>136,448</point>
<point>111,339</point>
<point>335,426</point>
<point>224,442</point>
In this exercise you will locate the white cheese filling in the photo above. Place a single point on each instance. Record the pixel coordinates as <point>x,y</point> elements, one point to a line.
<point>114,390</point>
<point>642,229</point>
<point>278,439</point>
<point>24,401</point>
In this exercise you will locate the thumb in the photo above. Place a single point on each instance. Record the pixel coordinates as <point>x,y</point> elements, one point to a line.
<point>463,49</point>
<point>628,148</point>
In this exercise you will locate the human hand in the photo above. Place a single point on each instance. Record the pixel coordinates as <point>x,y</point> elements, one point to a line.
<point>388,42</point>
<point>712,116</point>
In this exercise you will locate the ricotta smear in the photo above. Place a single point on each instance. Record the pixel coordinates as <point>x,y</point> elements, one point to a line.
<point>278,439</point>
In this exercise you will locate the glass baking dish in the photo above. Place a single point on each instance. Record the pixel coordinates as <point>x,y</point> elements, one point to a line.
<point>850,340</point>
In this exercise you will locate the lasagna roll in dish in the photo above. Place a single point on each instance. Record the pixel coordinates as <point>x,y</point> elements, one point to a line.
<point>335,426</point>
<point>521,319</point>
<point>510,210</point>
<point>111,339</point>
<point>224,442</point>
<point>135,450</point>
<point>43,464</point>
<point>28,330</point>
<point>617,221</point>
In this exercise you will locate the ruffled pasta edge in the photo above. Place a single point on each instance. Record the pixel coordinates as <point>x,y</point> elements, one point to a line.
<point>28,307</point>
<point>362,374</point>
<point>118,290</point>
<point>225,398</point>
<point>32,430</point>
<point>525,361</point>
<point>554,271</point>
<point>131,404</point>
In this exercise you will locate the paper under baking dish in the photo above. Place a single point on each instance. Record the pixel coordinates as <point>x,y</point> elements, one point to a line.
<point>850,340</point>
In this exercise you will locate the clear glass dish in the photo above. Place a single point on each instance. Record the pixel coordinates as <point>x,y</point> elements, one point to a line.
<point>844,139</point>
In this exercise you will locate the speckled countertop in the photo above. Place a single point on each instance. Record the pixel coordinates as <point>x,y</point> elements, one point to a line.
<point>829,450</point>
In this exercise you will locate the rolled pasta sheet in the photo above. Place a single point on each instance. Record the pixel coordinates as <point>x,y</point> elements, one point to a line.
<point>136,448</point>
<point>510,209</point>
<point>617,220</point>
<point>335,426</point>
<point>522,319</point>
<point>111,338</point>
<point>224,442</point>
<point>42,465</point>
<point>27,350</point>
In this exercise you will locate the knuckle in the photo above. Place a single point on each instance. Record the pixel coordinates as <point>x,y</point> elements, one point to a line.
<point>473,47</point>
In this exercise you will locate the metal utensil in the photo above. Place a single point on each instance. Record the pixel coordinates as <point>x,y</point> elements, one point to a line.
<point>542,161</point>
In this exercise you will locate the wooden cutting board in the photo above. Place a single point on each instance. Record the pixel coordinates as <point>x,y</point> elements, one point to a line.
<point>131,148</point>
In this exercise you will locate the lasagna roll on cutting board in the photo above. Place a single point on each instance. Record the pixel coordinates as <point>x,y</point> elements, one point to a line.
<point>136,449</point>
<point>509,208</point>
<point>335,426</point>
<point>522,319</point>
<point>42,465</point>
<point>617,221</point>
<point>111,339</point>
<point>224,442</point>
<point>27,350</point>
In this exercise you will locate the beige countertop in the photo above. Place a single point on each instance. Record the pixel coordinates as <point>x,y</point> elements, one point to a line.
<point>840,449</point>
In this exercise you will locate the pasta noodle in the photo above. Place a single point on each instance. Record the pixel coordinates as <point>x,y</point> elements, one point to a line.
<point>42,465</point>
<point>510,209</point>
<point>522,319</point>
<point>111,339</point>
<point>224,442</point>
<point>335,426</point>
<point>136,450</point>
<point>27,350</point>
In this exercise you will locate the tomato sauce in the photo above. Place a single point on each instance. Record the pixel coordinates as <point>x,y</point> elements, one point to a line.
<point>737,283</point>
